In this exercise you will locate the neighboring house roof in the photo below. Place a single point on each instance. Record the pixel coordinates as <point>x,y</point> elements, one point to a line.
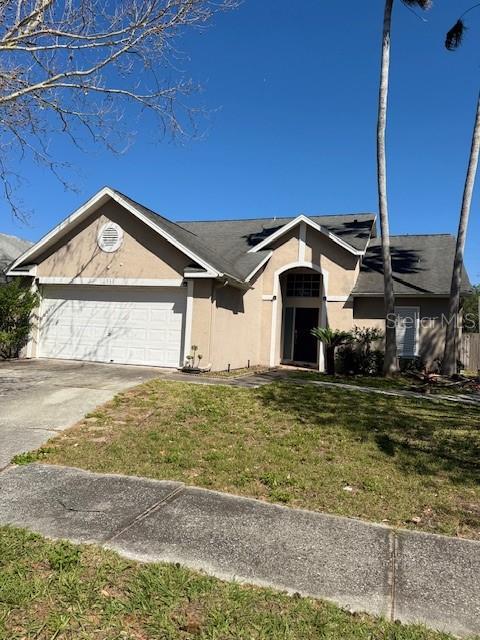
<point>422,265</point>
<point>10,248</point>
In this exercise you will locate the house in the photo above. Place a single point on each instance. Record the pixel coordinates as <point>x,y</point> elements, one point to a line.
<point>120,283</point>
<point>10,248</point>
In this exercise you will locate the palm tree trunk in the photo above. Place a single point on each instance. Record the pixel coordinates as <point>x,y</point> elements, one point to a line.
<point>449,364</point>
<point>391,364</point>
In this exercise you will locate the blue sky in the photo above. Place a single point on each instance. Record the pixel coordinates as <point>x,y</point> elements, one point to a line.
<point>292,90</point>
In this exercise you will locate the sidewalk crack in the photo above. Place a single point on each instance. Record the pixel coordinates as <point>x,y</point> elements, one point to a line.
<point>142,516</point>
<point>393,574</point>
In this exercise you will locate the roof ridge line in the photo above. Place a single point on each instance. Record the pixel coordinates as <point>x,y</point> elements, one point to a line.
<point>273,218</point>
<point>421,235</point>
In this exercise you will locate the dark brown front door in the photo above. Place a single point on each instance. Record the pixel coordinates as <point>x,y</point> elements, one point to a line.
<point>305,346</point>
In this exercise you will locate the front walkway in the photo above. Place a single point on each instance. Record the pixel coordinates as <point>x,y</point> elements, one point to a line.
<point>402,575</point>
<point>287,375</point>
<point>460,398</point>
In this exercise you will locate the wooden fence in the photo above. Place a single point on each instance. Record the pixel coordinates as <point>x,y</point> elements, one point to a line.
<point>470,351</point>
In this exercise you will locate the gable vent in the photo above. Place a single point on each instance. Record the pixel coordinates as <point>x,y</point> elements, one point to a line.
<point>110,237</point>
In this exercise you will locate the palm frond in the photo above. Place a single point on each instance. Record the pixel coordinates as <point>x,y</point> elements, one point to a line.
<point>331,337</point>
<point>423,4</point>
<point>454,37</point>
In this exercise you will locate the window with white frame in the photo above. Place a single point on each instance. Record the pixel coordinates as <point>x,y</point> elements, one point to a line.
<point>407,330</point>
<point>303,285</point>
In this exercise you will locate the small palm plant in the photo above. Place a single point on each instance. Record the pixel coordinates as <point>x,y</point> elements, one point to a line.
<point>331,338</point>
<point>193,358</point>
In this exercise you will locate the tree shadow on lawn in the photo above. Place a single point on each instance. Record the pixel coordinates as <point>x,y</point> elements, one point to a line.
<point>419,437</point>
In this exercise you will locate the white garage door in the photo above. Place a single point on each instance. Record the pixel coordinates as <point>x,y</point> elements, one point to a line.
<point>130,325</point>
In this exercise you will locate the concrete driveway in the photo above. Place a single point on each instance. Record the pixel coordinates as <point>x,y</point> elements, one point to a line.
<point>39,398</point>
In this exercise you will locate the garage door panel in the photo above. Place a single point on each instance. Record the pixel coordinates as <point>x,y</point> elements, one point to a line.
<point>113,324</point>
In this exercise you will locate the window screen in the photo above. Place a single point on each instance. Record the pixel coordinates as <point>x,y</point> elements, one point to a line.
<point>303,285</point>
<point>407,331</point>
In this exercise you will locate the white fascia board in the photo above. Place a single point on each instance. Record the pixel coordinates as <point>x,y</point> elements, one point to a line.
<point>77,215</point>
<point>200,274</point>
<point>85,210</point>
<point>401,295</point>
<point>27,272</point>
<point>258,267</point>
<point>313,225</point>
<point>223,277</point>
<point>115,282</point>
<point>337,298</point>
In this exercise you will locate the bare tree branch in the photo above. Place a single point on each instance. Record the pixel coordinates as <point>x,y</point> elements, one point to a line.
<point>71,66</point>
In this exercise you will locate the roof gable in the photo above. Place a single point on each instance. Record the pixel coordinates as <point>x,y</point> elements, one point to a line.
<point>282,230</point>
<point>164,229</point>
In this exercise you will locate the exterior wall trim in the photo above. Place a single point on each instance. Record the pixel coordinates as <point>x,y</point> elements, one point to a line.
<point>115,282</point>
<point>187,342</point>
<point>337,298</point>
<point>203,274</point>
<point>302,241</point>
<point>276,286</point>
<point>28,272</point>
<point>404,295</point>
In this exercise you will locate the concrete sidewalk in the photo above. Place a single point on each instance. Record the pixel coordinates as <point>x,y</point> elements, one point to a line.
<point>473,400</point>
<point>401,575</point>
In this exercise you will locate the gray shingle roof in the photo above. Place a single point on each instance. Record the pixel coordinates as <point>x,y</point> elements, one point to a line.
<point>10,248</point>
<point>190,240</point>
<point>422,265</point>
<point>224,244</point>
<point>238,236</point>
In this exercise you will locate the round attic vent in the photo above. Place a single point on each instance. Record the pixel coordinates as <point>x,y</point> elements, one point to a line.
<point>110,237</point>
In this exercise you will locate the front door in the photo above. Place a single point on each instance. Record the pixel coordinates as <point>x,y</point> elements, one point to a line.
<point>305,346</point>
<point>298,343</point>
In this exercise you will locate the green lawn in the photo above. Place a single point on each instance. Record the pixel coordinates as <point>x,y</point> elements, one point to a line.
<point>393,460</point>
<point>59,591</point>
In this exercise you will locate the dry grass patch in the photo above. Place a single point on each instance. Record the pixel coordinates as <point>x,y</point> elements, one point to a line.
<point>394,460</point>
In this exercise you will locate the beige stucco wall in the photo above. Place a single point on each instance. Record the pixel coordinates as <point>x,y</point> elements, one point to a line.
<point>143,254</point>
<point>202,316</point>
<point>340,315</point>
<point>342,266</point>
<point>370,312</point>
<point>226,324</point>
<point>285,251</point>
<point>237,326</point>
